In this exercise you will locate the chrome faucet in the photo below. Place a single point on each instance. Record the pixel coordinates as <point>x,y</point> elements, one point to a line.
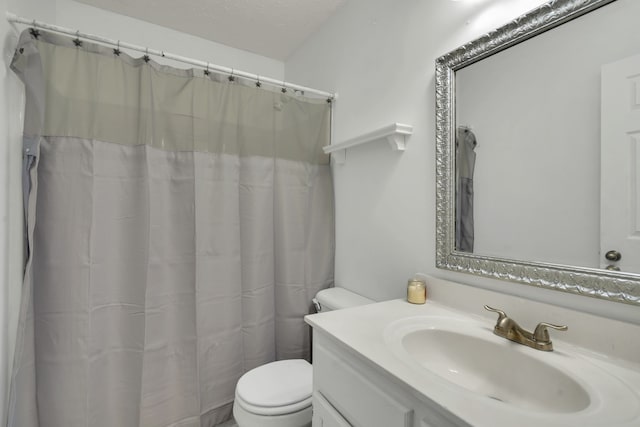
<point>509,329</point>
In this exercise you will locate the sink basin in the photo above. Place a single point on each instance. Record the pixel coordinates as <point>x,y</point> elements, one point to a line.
<point>498,373</point>
<point>469,355</point>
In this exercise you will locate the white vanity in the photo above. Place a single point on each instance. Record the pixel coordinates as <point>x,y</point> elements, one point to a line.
<point>395,364</point>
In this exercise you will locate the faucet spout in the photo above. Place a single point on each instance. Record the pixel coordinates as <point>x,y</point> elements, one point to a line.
<point>509,329</point>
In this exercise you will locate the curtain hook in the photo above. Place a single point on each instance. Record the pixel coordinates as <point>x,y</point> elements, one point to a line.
<point>284,87</point>
<point>206,72</point>
<point>258,84</point>
<point>77,40</point>
<point>231,77</point>
<point>146,55</point>
<point>117,51</point>
<point>34,31</point>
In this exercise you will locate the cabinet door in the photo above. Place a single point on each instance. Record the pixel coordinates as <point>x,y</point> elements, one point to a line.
<point>325,415</point>
<point>362,402</point>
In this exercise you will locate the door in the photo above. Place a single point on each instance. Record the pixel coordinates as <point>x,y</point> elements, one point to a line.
<point>620,166</point>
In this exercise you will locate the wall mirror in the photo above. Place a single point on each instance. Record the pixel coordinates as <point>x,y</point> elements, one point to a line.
<point>538,151</point>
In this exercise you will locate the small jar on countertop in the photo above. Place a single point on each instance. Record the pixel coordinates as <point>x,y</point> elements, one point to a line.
<point>416,291</point>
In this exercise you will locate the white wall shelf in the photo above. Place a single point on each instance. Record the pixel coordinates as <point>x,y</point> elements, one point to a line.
<point>396,134</point>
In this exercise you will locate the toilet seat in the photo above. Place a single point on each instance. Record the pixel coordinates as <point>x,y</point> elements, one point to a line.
<point>277,388</point>
<point>273,411</point>
<point>245,418</point>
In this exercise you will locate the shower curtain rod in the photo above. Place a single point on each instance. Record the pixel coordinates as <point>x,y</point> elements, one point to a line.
<point>11,17</point>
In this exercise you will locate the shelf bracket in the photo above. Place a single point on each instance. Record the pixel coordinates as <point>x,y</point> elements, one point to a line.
<point>396,134</point>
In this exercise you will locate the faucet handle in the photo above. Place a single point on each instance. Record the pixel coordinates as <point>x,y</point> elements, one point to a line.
<point>501,314</point>
<point>541,334</point>
<point>495,310</point>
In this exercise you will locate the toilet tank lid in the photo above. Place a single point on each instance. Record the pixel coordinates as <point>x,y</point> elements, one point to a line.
<point>338,298</point>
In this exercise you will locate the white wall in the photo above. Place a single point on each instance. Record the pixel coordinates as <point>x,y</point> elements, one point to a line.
<point>92,20</point>
<point>379,56</point>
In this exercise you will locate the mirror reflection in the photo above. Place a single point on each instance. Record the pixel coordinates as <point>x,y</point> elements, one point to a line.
<point>548,146</point>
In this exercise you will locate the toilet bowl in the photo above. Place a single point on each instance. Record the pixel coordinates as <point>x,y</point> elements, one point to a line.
<point>278,394</point>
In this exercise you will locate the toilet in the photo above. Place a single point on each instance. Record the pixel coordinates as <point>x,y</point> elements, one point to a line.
<point>278,394</point>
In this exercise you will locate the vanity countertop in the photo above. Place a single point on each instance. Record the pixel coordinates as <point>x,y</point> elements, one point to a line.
<point>365,330</point>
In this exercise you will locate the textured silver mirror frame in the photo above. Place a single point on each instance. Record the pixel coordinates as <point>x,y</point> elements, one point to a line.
<point>592,282</point>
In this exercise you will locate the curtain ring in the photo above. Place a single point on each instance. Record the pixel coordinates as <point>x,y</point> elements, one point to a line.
<point>231,77</point>
<point>117,51</point>
<point>284,87</point>
<point>258,84</point>
<point>146,55</point>
<point>206,72</point>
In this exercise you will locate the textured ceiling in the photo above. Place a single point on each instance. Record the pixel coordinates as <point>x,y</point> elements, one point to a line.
<point>272,28</point>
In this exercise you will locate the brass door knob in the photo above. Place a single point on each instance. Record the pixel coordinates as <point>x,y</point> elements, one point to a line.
<point>613,256</point>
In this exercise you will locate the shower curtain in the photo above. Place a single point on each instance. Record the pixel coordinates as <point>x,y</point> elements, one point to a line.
<point>178,226</point>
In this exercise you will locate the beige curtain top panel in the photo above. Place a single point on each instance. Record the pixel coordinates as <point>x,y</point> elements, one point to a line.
<point>91,92</point>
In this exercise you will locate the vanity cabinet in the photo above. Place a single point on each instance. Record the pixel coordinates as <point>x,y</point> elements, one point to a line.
<point>349,390</point>
<point>395,364</point>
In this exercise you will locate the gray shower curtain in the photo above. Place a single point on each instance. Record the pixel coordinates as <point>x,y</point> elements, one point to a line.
<point>178,226</point>
<point>465,164</point>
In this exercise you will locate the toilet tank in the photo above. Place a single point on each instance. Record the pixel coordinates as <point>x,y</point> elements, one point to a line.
<point>338,298</point>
